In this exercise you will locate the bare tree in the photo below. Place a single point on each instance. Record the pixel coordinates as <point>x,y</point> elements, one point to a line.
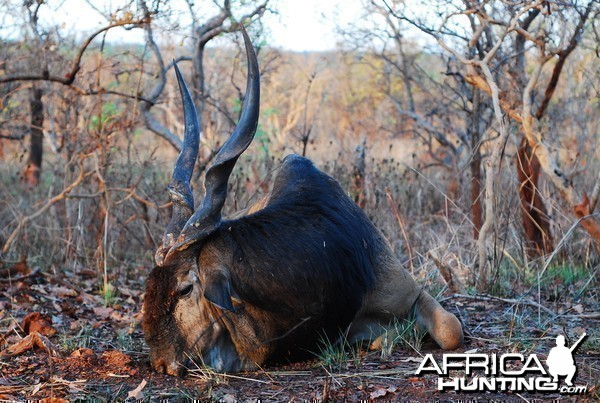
<point>43,65</point>
<point>445,114</point>
<point>502,38</point>
<point>201,32</point>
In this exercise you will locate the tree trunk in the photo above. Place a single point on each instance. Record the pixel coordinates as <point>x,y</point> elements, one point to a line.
<point>475,165</point>
<point>536,222</point>
<point>476,209</point>
<point>32,170</point>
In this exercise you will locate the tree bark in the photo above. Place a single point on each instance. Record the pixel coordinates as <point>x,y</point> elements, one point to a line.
<point>536,222</point>
<point>475,165</point>
<point>33,168</point>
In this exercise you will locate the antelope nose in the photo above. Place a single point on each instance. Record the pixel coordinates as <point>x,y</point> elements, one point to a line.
<point>159,366</point>
<point>169,368</point>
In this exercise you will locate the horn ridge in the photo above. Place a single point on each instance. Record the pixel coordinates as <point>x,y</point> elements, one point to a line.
<point>184,168</point>
<point>179,188</point>
<point>242,135</point>
<point>207,217</point>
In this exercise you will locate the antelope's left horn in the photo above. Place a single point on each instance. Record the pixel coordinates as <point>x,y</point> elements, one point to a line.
<point>179,189</point>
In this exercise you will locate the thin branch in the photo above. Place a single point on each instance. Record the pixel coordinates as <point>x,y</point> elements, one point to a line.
<point>394,207</point>
<point>145,107</point>
<point>595,194</point>
<point>69,78</point>
<point>562,57</point>
<point>49,203</point>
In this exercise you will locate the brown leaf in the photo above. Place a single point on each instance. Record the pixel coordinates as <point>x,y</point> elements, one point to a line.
<point>61,291</point>
<point>83,352</point>
<point>379,392</point>
<point>30,342</point>
<point>129,292</point>
<point>18,268</point>
<point>137,393</point>
<point>53,400</point>
<point>103,312</point>
<point>36,322</point>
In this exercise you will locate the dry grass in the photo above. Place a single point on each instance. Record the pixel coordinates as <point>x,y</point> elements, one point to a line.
<point>527,303</point>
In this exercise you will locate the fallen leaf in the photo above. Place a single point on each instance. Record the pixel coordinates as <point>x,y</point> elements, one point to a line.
<point>61,291</point>
<point>137,393</point>
<point>28,343</point>
<point>229,398</point>
<point>53,400</point>
<point>103,312</point>
<point>578,308</point>
<point>84,356</point>
<point>129,292</point>
<point>473,351</point>
<point>36,322</point>
<point>82,352</point>
<point>379,392</point>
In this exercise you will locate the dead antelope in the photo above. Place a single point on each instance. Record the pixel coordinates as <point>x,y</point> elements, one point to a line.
<point>304,265</point>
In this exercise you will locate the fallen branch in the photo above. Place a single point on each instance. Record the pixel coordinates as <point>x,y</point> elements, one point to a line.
<point>505,300</point>
<point>19,278</point>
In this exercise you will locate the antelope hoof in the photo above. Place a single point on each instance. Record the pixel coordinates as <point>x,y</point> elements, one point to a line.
<point>446,330</point>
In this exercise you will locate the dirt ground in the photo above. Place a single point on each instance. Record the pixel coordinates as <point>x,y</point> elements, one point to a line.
<point>63,339</point>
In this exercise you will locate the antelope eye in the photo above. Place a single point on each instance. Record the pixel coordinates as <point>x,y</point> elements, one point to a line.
<point>186,291</point>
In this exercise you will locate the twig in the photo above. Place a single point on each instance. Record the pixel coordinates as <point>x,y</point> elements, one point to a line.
<point>69,78</point>
<point>62,195</point>
<point>592,315</point>
<point>394,207</point>
<point>505,300</point>
<point>20,278</point>
<point>454,283</point>
<point>381,373</point>
<point>131,193</point>
<point>330,375</point>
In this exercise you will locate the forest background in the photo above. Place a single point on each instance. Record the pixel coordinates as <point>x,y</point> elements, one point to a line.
<point>467,130</point>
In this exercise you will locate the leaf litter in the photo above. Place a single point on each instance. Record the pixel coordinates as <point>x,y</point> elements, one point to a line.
<point>60,338</point>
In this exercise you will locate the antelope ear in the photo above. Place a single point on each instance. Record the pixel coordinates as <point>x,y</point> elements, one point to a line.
<point>218,291</point>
